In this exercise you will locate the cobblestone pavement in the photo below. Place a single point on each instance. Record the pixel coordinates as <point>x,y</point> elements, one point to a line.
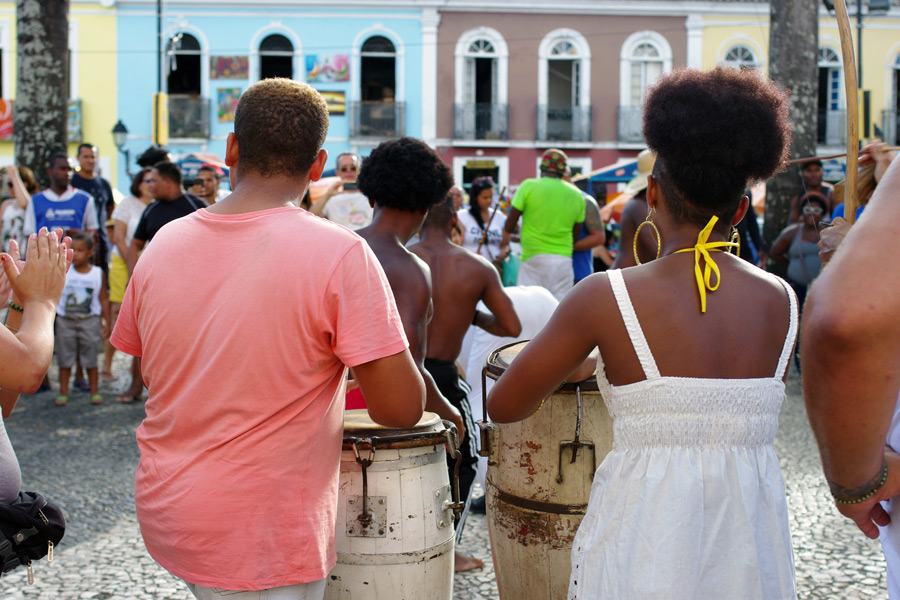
<point>84,458</point>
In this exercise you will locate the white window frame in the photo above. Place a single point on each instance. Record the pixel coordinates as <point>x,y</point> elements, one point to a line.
<point>73,60</point>
<point>204,55</point>
<point>502,162</point>
<point>6,57</point>
<point>501,62</point>
<point>836,67</point>
<point>276,28</point>
<point>626,58</point>
<point>583,57</point>
<point>746,43</point>
<point>399,62</point>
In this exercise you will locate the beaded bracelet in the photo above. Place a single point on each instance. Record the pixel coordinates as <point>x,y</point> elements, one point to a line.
<point>870,493</point>
<point>15,307</point>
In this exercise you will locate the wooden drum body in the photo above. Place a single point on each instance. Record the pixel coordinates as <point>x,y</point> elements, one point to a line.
<point>538,483</point>
<point>394,533</point>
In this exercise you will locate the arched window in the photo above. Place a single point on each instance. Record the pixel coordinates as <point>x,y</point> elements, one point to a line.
<point>831,112</point>
<point>276,57</point>
<point>184,74</point>
<point>378,77</point>
<point>739,57</point>
<point>188,109</point>
<point>644,57</point>
<point>378,114</point>
<point>481,110</point>
<point>564,87</point>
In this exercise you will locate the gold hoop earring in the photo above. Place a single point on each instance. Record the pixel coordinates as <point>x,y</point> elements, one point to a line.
<point>647,221</point>
<point>735,239</point>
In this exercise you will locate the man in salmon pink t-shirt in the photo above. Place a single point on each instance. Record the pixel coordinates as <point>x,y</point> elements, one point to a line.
<point>245,348</point>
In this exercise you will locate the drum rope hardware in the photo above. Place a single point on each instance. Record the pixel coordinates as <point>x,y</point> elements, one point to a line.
<point>365,517</point>
<point>577,443</point>
<point>449,438</point>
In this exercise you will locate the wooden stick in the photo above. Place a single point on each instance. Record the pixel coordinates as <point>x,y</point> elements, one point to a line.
<point>798,161</point>
<point>850,90</point>
<point>491,220</point>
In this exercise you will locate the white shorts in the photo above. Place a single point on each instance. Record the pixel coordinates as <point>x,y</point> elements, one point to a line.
<point>550,271</point>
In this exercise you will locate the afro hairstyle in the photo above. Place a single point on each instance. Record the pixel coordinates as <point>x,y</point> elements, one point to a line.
<point>405,174</point>
<point>714,132</point>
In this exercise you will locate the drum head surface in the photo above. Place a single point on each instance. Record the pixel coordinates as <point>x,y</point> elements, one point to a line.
<point>501,358</point>
<point>358,420</point>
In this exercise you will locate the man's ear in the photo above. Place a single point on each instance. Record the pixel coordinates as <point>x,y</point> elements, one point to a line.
<point>231,150</point>
<point>318,166</point>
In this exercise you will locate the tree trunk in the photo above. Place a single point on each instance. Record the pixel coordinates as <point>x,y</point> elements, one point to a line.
<point>42,89</point>
<point>793,64</point>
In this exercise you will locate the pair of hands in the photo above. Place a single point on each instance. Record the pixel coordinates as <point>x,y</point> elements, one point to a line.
<point>42,276</point>
<point>830,238</point>
<point>868,514</point>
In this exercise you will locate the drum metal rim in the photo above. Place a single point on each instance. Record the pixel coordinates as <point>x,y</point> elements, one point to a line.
<point>397,441</point>
<point>494,371</point>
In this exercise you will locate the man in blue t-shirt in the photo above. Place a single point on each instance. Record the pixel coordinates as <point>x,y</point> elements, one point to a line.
<point>60,205</point>
<point>87,179</point>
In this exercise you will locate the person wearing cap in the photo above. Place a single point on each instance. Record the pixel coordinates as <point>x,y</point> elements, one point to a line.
<point>811,174</point>
<point>552,212</point>
<point>633,214</point>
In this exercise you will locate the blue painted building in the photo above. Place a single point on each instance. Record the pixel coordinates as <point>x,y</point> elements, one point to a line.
<point>371,63</point>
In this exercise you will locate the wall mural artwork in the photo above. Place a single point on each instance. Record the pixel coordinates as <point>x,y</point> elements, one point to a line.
<point>228,67</point>
<point>226,103</point>
<point>327,68</point>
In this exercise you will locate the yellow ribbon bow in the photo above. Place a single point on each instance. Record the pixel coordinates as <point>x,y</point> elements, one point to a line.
<point>703,248</point>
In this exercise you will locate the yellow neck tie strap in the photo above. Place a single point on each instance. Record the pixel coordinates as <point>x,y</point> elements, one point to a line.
<point>703,248</point>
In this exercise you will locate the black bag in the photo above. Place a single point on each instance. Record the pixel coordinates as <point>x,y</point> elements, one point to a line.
<point>30,527</point>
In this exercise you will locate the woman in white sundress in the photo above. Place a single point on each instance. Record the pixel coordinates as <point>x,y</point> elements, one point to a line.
<point>693,352</point>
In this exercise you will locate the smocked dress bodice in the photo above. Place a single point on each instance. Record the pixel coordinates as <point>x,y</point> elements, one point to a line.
<point>690,502</point>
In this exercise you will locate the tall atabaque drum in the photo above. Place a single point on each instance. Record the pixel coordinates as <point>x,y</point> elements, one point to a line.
<point>538,482</point>
<point>394,533</point>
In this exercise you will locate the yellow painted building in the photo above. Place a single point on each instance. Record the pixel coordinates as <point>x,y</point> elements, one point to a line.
<point>92,78</point>
<point>737,33</point>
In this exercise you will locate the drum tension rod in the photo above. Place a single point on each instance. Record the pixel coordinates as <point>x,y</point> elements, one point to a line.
<point>365,517</point>
<point>451,437</point>
<point>577,443</point>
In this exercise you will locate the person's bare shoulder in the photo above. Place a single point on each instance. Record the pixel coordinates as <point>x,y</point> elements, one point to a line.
<point>409,275</point>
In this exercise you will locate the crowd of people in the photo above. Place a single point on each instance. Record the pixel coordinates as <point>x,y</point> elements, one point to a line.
<point>398,283</point>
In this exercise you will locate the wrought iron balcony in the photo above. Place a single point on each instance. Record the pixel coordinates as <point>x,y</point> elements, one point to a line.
<point>564,123</point>
<point>832,127</point>
<point>481,121</point>
<point>188,116</point>
<point>377,119</point>
<point>631,124</point>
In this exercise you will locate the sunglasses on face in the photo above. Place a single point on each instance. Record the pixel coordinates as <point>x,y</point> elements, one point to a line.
<point>812,210</point>
<point>344,169</point>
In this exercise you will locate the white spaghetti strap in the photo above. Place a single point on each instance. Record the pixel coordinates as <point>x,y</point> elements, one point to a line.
<point>638,341</point>
<point>784,361</point>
